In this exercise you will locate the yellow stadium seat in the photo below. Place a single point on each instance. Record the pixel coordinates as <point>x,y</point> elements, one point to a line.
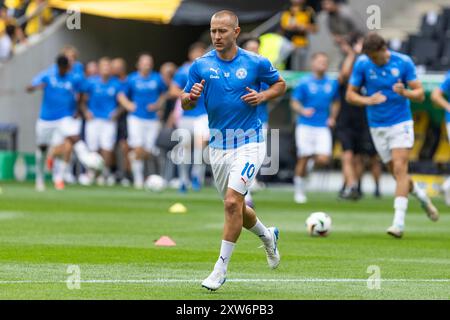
<point>442,154</point>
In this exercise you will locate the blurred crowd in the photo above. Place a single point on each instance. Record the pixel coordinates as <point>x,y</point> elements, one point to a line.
<point>288,46</point>
<point>20,19</point>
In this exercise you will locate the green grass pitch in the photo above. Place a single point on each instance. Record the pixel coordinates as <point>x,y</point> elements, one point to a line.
<point>109,234</point>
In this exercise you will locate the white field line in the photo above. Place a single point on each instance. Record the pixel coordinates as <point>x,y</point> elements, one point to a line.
<point>144,281</point>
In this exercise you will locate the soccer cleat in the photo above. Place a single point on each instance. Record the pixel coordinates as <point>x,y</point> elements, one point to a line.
<point>395,231</point>
<point>430,209</point>
<point>195,184</point>
<point>215,280</point>
<point>100,181</point>
<point>300,198</point>
<point>59,184</point>
<point>272,253</point>
<point>40,186</point>
<point>125,182</point>
<point>182,188</point>
<point>69,178</point>
<point>350,194</point>
<point>110,180</point>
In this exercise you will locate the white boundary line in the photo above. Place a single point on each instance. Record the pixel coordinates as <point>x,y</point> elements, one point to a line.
<point>144,281</point>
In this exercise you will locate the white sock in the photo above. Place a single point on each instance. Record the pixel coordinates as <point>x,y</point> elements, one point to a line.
<point>261,231</point>
<point>400,206</point>
<point>39,166</point>
<point>299,184</point>
<point>58,169</point>
<point>82,152</point>
<point>226,250</point>
<point>446,184</point>
<point>198,171</point>
<point>137,167</point>
<point>184,173</point>
<point>106,172</point>
<point>419,193</point>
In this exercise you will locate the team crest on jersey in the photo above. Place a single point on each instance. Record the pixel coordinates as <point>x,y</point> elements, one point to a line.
<point>395,72</point>
<point>327,88</point>
<point>241,73</point>
<point>111,91</point>
<point>313,88</point>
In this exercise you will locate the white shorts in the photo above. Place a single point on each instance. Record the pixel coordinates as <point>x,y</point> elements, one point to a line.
<point>142,133</point>
<point>313,141</point>
<point>101,134</point>
<point>52,133</point>
<point>236,168</point>
<point>398,136</point>
<point>197,126</point>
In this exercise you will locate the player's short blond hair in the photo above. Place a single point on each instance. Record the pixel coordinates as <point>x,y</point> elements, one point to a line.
<point>227,13</point>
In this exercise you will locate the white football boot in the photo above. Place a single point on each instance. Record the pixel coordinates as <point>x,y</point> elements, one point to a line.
<point>215,280</point>
<point>272,253</point>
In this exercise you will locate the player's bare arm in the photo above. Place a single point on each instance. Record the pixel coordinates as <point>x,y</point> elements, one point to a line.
<point>298,107</point>
<point>414,92</point>
<point>189,100</point>
<point>335,107</point>
<point>254,97</point>
<point>32,88</point>
<point>82,106</point>
<point>353,97</point>
<point>438,98</point>
<point>158,104</point>
<point>126,103</point>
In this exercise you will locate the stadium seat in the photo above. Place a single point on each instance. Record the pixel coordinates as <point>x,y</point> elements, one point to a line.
<point>424,51</point>
<point>431,24</point>
<point>444,61</point>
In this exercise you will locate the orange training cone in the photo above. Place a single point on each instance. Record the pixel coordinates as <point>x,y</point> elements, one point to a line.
<point>165,241</point>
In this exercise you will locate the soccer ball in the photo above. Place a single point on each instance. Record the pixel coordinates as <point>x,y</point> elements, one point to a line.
<point>318,224</point>
<point>155,183</point>
<point>94,161</point>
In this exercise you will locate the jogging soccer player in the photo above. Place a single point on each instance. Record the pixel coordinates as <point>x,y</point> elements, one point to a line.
<point>391,82</point>
<point>438,98</point>
<point>315,100</point>
<point>144,88</point>
<point>195,121</point>
<point>56,126</point>
<point>101,114</point>
<point>229,79</point>
<point>352,130</point>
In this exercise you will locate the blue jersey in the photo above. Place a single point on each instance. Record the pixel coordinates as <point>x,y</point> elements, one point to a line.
<point>318,94</point>
<point>59,94</point>
<point>180,79</point>
<point>232,121</point>
<point>445,87</point>
<point>144,91</point>
<point>102,96</point>
<point>263,113</point>
<point>376,78</point>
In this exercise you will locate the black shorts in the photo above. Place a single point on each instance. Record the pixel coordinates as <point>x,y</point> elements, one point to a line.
<point>357,140</point>
<point>122,128</point>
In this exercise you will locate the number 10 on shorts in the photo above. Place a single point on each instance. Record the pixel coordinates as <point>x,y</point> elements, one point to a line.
<point>249,170</point>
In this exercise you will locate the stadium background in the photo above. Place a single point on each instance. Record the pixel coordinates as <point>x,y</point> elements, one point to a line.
<point>166,28</point>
